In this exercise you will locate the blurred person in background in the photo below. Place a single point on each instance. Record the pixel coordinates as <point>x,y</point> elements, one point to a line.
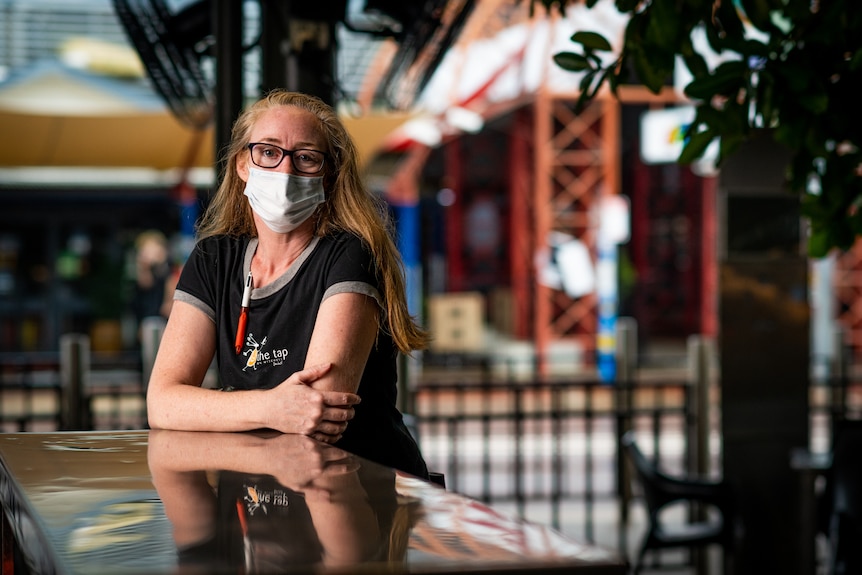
<point>151,296</point>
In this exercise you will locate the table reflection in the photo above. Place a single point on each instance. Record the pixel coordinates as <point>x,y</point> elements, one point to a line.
<point>261,502</point>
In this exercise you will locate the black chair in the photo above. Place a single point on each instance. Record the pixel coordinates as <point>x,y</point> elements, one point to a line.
<point>660,490</point>
<point>843,498</point>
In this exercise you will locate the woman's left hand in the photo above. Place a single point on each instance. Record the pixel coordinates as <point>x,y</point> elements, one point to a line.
<point>296,407</point>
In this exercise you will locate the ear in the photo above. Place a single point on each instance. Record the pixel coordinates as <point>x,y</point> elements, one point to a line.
<point>242,167</point>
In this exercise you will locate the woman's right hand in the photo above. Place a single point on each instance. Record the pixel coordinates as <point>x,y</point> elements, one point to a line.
<point>296,407</point>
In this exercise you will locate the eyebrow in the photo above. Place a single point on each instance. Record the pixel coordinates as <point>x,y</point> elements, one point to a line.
<point>299,145</point>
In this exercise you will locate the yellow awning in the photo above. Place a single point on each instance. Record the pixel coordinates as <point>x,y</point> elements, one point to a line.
<point>151,140</point>
<point>155,141</point>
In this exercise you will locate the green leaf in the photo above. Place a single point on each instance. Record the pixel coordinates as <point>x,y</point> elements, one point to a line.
<point>815,99</point>
<point>663,26</point>
<point>725,27</point>
<point>694,61</point>
<point>651,77</point>
<point>790,133</point>
<point>572,62</point>
<point>795,75</point>
<point>592,40</point>
<point>726,80</point>
<point>586,80</point>
<point>596,83</point>
<point>707,115</point>
<point>582,102</point>
<point>695,146</point>
<point>763,99</point>
<point>819,243</point>
<point>754,48</point>
<point>610,75</point>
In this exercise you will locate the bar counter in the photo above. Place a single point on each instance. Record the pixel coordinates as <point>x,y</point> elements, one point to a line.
<point>152,502</point>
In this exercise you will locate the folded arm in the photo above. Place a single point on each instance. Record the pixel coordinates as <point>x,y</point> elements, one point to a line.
<point>176,400</point>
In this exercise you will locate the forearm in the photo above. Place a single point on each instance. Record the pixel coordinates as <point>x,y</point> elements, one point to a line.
<point>184,451</point>
<point>344,519</point>
<point>191,408</point>
<point>291,407</point>
<point>189,503</point>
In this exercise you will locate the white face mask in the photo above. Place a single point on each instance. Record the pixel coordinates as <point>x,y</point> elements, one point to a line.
<point>283,201</point>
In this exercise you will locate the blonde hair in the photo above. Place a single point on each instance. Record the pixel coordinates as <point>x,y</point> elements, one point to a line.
<point>349,206</point>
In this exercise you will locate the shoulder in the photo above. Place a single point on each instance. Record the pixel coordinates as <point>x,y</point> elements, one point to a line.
<point>344,256</point>
<point>340,245</point>
<point>214,246</point>
<point>346,242</point>
<point>214,255</point>
<point>342,238</point>
<point>222,242</point>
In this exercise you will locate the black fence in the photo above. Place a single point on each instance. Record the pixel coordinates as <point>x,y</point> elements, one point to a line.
<point>547,442</point>
<point>71,390</point>
<point>30,391</point>
<point>502,440</point>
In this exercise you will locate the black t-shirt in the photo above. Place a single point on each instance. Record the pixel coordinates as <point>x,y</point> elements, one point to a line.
<point>281,318</point>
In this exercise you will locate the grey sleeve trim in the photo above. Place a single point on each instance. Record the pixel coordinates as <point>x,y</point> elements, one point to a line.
<point>188,298</point>
<point>355,287</point>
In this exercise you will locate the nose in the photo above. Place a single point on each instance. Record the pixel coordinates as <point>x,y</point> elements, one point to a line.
<point>286,165</point>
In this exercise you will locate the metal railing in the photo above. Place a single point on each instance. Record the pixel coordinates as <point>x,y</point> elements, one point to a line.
<point>528,442</point>
<point>30,391</point>
<point>502,439</point>
<point>71,389</point>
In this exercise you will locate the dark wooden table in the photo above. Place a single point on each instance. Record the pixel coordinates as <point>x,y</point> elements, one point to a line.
<point>141,502</point>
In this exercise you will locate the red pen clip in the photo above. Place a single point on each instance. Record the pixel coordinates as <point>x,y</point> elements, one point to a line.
<point>243,314</point>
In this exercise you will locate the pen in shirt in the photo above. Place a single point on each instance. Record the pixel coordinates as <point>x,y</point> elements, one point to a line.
<point>243,314</point>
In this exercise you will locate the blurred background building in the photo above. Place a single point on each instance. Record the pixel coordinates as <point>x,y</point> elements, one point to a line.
<point>495,182</point>
<point>93,157</point>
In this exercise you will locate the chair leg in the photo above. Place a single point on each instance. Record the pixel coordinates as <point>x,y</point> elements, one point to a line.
<point>641,555</point>
<point>437,478</point>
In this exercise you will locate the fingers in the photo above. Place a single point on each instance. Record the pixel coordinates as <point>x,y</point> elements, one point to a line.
<point>325,437</point>
<point>340,398</point>
<point>329,431</point>
<point>310,374</point>
<point>332,427</point>
<point>337,413</point>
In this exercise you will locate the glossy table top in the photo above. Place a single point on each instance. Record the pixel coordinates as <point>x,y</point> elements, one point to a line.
<point>186,502</point>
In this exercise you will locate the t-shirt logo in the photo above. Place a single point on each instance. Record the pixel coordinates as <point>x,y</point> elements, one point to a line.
<point>253,500</point>
<point>253,351</point>
<point>257,356</point>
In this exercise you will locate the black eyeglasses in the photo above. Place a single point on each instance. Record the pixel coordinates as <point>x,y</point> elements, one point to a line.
<point>304,161</point>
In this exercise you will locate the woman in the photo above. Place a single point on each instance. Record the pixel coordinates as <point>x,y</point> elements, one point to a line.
<point>293,241</point>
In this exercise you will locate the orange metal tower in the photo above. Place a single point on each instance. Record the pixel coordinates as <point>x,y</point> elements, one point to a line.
<point>576,161</point>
